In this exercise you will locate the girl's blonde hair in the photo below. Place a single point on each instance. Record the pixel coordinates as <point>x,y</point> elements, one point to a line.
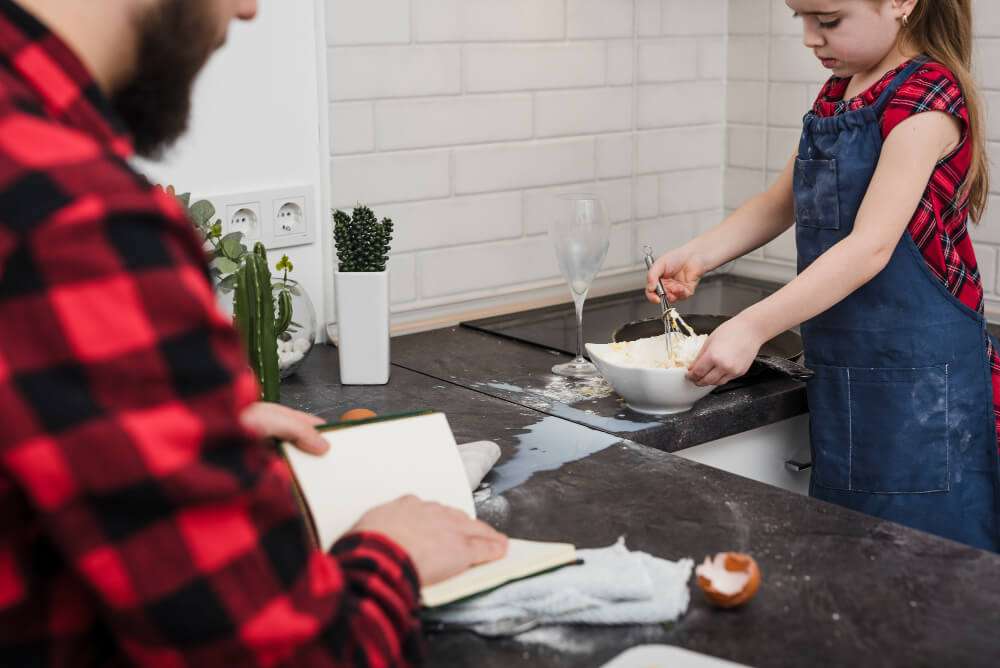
<point>942,29</point>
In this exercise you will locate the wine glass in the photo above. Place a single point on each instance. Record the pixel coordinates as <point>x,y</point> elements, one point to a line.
<point>580,232</point>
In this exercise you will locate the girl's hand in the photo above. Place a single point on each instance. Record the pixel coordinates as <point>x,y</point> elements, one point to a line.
<point>269,420</point>
<point>728,353</point>
<point>679,270</point>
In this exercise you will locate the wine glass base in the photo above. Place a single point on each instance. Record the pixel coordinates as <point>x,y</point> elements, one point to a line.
<point>578,368</point>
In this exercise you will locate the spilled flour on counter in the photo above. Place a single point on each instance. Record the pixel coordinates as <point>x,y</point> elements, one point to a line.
<point>652,352</point>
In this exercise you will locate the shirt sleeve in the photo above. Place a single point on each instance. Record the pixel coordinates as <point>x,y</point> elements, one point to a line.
<point>931,88</point>
<point>128,381</point>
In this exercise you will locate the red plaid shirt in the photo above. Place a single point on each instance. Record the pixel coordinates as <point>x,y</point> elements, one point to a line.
<point>140,523</point>
<point>939,226</point>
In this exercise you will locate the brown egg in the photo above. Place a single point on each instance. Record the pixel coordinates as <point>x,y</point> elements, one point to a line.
<point>730,579</point>
<point>356,414</point>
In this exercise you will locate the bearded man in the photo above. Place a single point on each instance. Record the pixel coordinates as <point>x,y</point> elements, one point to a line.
<point>144,520</point>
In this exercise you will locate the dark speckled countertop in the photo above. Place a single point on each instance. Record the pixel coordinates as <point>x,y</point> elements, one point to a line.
<point>839,588</point>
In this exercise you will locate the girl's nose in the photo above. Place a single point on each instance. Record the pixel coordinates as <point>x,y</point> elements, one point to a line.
<point>811,35</point>
<point>247,9</point>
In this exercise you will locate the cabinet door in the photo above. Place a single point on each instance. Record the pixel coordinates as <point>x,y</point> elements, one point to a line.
<point>761,454</point>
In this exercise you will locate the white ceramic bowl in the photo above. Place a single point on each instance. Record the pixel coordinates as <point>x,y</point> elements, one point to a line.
<point>647,390</point>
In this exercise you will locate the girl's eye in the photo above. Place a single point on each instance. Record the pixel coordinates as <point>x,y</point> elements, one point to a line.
<point>828,25</point>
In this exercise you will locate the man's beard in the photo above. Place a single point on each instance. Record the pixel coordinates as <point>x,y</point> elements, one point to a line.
<point>175,40</point>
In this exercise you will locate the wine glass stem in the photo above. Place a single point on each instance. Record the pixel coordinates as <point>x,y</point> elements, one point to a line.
<point>578,301</point>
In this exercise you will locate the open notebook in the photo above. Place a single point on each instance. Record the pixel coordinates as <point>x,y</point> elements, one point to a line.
<point>379,460</point>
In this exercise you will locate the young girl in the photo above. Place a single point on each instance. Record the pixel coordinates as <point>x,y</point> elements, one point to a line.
<point>890,166</point>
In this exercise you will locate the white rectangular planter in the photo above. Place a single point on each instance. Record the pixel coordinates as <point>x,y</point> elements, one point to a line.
<point>363,327</point>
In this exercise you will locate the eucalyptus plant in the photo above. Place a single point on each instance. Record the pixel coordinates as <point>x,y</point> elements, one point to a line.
<point>363,243</point>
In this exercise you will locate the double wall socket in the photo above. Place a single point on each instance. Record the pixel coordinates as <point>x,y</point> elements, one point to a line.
<point>280,218</point>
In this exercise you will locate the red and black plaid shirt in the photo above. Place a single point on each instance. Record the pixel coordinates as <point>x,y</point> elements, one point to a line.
<point>140,523</point>
<point>939,226</point>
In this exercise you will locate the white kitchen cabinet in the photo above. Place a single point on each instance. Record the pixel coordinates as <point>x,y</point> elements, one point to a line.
<point>761,454</point>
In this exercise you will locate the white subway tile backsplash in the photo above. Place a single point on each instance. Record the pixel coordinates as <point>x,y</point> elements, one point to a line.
<point>746,102</point>
<point>455,221</point>
<point>418,123</point>
<point>671,59</point>
<point>647,196</point>
<point>666,233</point>
<point>488,20</point>
<point>577,112</point>
<point>748,17</point>
<point>402,278</point>
<point>368,22</point>
<point>693,17</point>
<point>741,185</point>
<point>986,256</point>
<point>650,13</point>
<point>782,144</point>
<point>746,146</point>
<point>991,100</point>
<point>510,166</point>
<point>783,248</point>
<point>679,148</point>
<point>690,191</point>
<point>788,103</point>
<point>540,205</point>
<point>783,20</point>
<point>452,271</point>
<point>711,57</point>
<point>791,61</point>
<point>988,229</point>
<point>621,63</point>
<point>614,155</point>
<point>747,58</point>
<point>389,177</point>
<point>367,72</point>
<point>986,18</point>
<point>683,103</point>
<point>506,67</point>
<point>588,19</point>
<point>352,128</point>
<point>987,55</point>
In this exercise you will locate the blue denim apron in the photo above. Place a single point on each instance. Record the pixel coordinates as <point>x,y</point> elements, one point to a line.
<point>901,406</point>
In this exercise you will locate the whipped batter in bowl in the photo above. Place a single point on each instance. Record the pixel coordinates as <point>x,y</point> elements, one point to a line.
<point>646,378</point>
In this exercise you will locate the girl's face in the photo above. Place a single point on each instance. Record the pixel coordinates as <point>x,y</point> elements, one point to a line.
<point>850,36</point>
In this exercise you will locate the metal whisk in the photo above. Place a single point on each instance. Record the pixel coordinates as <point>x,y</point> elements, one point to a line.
<point>669,326</point>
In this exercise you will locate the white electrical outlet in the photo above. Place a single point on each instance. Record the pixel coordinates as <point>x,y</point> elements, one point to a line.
<point>279,217</point>
<point>289,217</point>
<point>243,217</point>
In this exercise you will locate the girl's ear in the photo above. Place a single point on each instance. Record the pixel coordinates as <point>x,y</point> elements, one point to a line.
<point>903,8</point>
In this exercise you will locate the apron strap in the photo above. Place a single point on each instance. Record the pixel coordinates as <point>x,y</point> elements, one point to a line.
<point>898,81</point>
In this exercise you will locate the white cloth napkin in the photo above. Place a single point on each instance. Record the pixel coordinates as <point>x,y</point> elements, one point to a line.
<point>613,586</point>
<point>478,458</point>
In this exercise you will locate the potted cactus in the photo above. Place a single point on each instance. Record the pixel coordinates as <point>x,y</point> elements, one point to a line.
<point>361,285</point>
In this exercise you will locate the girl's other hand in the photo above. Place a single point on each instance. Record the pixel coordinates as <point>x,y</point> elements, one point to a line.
<point>728,353</point>
<point>679,270</point>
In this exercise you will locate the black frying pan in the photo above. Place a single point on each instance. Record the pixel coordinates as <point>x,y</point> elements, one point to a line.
<point>780,354</point>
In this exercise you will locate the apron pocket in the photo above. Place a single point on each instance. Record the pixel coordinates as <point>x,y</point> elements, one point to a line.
<point>815,187</point>
<point>880,430</point>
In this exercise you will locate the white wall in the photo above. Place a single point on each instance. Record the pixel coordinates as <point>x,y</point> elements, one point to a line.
<point>772,81</point>
<point>257,123</point>
<point>457,118</point>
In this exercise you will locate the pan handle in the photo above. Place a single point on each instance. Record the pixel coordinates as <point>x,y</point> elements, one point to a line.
<point>793,370</point>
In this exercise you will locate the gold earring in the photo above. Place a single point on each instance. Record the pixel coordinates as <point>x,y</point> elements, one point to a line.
<point>906,20</point>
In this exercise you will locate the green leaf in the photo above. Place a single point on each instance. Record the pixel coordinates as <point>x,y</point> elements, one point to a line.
<point>228,284</point>
<point>185,199</point>
<point>202,212</point>
<point>225,265</point>
<point>232,247</point>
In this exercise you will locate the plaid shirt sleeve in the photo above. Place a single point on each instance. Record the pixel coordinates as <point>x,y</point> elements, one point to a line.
<point>174,530</point>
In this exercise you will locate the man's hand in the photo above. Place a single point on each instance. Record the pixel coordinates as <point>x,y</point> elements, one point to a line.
<point>441,541</point>
<point>269,420</point>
